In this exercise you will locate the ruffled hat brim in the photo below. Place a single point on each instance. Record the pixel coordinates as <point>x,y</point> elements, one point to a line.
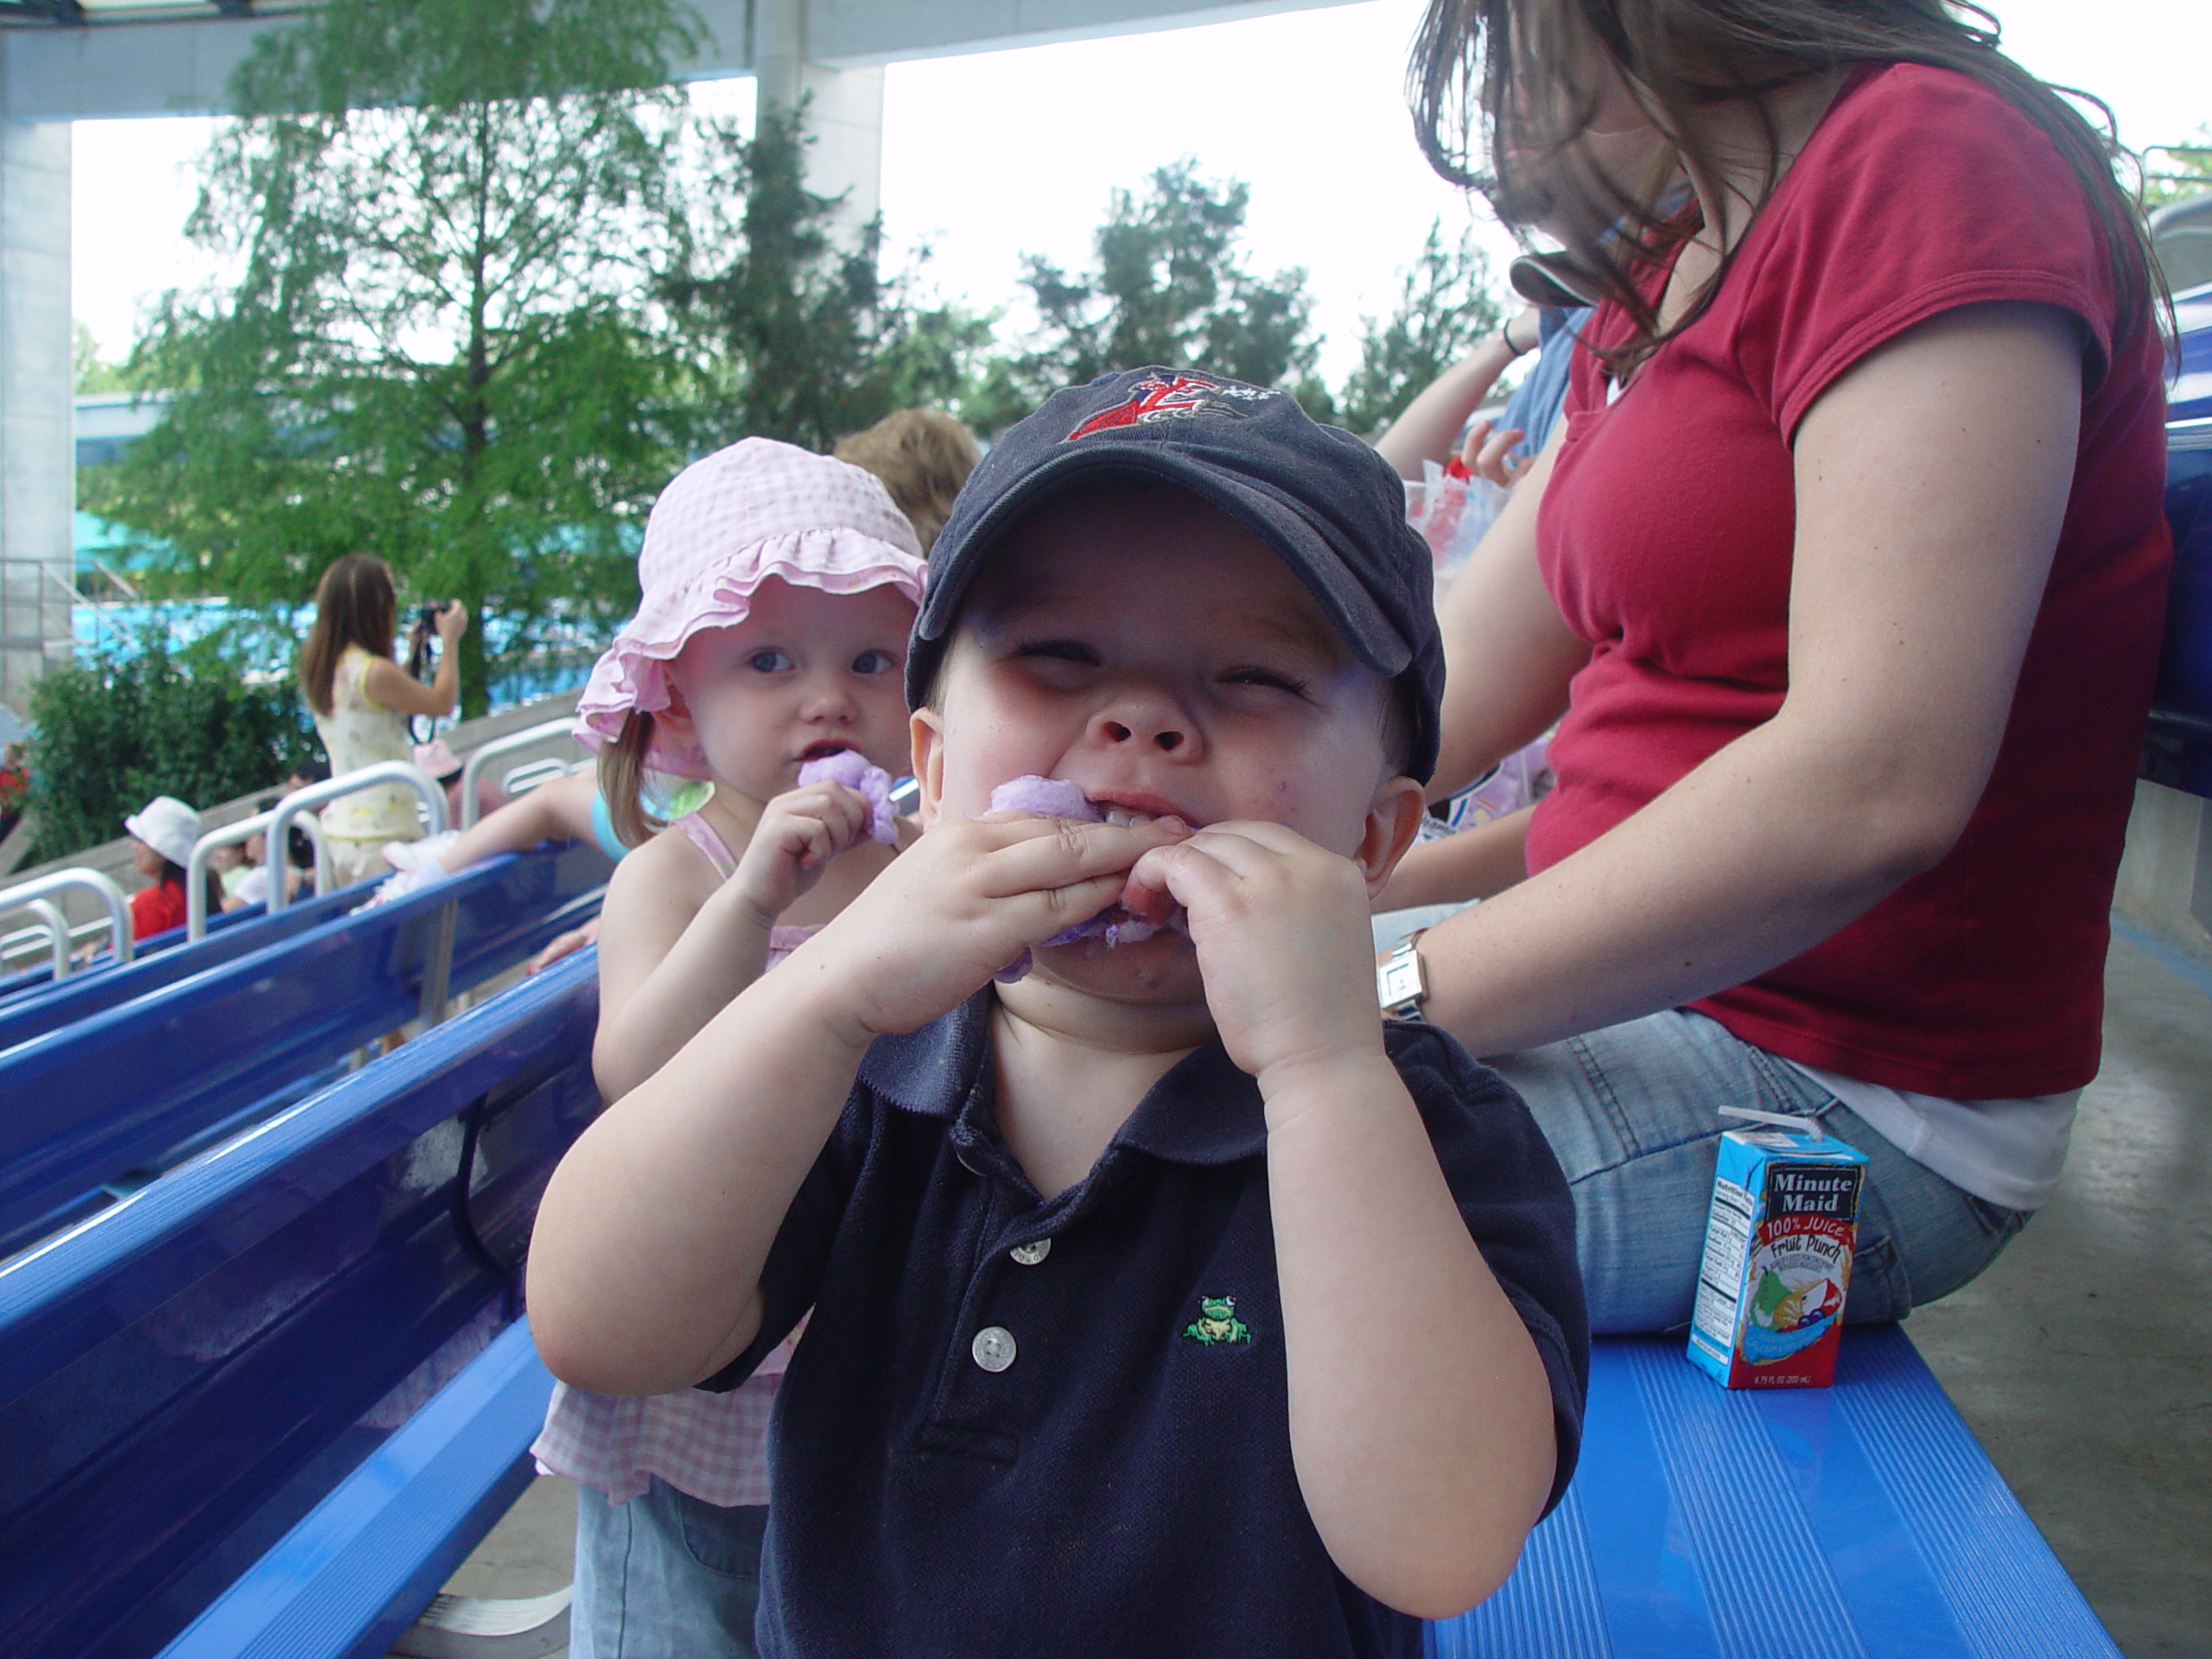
<point>632,672</point>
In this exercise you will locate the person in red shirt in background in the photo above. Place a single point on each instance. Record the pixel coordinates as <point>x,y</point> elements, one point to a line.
<point>161,837</point>
<point>1846,571</point>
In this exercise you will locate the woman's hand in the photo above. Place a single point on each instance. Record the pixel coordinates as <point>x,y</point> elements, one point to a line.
<point>799,832</point>
<point>452,621</point>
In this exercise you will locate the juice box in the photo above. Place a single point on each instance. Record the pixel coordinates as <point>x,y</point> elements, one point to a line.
<point>1778,1256</point>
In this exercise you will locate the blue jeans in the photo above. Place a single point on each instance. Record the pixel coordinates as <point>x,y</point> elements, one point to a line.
<point>1631,1113</point>
<point>664,1576</point>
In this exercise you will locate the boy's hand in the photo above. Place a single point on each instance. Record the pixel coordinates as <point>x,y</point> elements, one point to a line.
<point>966,899</point>
<point>799,832</point>
<point>1283,943</point>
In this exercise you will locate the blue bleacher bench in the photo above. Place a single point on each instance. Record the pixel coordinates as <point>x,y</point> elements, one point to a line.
<point>116,1093</point>
<point>190,1375</point>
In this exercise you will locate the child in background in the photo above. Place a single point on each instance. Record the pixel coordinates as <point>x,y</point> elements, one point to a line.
<point>1165,1300</point>
<point>162,833</point>
<point>922,455</point>
<point>779,590</point>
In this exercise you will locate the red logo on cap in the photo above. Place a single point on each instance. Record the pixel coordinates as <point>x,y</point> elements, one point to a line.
<point>1177,397</point>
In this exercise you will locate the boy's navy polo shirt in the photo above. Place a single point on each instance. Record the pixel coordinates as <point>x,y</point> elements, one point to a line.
<point>1018,1427</point>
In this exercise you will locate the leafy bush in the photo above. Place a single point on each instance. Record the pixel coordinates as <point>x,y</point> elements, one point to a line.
<point>110,735</point>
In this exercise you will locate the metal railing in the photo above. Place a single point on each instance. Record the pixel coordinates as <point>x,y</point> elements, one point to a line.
<point>473,768</point>
<point>352,783</point>
<point>275,859</point>
<point>33,896</point>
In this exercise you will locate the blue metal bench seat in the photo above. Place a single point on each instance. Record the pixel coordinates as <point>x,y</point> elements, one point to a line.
<point>135,1084</point>
<point>187,1374</point>
<point>1861,1521</point>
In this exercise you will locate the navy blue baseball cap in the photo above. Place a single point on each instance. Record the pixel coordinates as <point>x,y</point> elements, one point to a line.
<point>1333,509</point>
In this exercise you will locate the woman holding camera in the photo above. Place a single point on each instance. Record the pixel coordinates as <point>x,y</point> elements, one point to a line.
<point>361,699</point>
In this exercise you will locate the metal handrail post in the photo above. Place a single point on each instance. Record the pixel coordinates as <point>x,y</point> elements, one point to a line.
<point>473,767</point>
<point>57,933</point>
<point>195,872</point>
<point>27,896</point>
<point>332,789</point>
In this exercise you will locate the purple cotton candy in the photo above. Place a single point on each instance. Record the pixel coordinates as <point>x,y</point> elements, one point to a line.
<point>1048,797</point>
<point>852,768</point>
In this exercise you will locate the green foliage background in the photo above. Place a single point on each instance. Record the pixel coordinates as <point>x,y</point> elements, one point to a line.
<point>117,732</point>
<point>499,282</point>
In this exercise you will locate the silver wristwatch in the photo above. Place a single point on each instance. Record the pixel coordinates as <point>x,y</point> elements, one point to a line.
<point>1401,986</point>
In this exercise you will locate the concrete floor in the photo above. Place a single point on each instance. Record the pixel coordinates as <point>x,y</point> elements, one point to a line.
<point>2083,1359</point>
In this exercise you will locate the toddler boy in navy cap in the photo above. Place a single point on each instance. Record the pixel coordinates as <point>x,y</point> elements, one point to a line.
<point>1165,1298</point>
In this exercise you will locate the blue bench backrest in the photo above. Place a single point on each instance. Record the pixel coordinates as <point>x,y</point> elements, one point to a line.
<point>97,1100</point>
<point>161,961</point>
<point>28,982</point>
<point>2177,749</point>
<point>184,1376</point>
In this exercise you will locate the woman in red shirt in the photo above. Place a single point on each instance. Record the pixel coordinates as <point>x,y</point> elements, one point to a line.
<point>1843,576</point>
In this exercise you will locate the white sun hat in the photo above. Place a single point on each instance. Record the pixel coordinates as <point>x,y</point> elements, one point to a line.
<point>167,825</point>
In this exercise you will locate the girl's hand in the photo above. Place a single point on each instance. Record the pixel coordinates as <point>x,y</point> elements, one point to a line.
<point>452,621</point>
<point>968,897</point>
<point>799,832</point>
<point>1284,946</point>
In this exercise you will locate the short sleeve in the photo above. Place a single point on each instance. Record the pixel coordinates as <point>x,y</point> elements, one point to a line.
<point>792,1274</point>
<point>1922,190</point>
<point>1517,1206</point>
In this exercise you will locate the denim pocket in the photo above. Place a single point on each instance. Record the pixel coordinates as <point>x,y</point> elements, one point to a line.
<point>724,1541</point>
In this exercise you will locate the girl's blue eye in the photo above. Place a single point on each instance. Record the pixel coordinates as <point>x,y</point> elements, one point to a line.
<point>768,662</point>
<point>874,661</point>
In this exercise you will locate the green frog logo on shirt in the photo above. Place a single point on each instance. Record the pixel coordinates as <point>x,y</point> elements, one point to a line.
<point>1217,1323</point>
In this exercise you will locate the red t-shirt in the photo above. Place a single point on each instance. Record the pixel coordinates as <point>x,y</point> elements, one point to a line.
<point>1666,537</point>
<point>156,909</point>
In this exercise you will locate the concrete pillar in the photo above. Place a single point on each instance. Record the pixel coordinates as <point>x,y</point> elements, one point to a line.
<point>844,111</point>
<point>37,447</point>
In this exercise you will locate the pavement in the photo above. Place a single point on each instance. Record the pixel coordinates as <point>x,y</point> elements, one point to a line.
<point>2082,1358</point>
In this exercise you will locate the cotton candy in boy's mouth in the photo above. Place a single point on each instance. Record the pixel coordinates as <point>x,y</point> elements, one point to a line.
<point>1141,912</point>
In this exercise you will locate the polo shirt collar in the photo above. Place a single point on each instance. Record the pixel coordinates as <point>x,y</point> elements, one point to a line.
<point>1204,1111</point>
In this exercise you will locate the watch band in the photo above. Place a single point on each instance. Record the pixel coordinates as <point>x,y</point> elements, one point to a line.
<point>1400,982</point>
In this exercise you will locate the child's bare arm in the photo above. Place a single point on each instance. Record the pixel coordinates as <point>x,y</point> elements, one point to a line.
<point>1473,864</point>
<point>1420,1414</point>
<point>549,812</point>
<point>646,1264</point>
<point>675,945</point>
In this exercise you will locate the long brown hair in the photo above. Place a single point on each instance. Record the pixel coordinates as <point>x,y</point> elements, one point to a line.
<point>1498,78</point>
<point>355,604</point>
<point>622,778</point>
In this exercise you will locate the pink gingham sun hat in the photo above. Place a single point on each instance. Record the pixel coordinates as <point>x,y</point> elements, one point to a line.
<point>724,525</point>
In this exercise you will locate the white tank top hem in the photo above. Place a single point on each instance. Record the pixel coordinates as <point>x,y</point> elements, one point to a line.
<point>2005,1151</point>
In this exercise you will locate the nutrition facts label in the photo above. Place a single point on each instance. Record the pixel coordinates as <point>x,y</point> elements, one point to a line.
<point>1721,1279</point>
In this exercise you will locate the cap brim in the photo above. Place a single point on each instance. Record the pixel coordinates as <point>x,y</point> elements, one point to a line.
<point>1307,546</point>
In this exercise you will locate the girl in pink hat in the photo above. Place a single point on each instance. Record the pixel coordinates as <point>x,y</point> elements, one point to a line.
<point>779,590</point>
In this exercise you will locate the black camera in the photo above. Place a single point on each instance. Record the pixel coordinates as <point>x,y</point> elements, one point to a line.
<point>426,617</point>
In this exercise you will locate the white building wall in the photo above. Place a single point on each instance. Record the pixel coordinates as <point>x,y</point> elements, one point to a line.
<point>37,446</point>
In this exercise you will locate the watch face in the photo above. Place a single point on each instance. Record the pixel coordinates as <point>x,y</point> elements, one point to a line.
<point>1398,981</point>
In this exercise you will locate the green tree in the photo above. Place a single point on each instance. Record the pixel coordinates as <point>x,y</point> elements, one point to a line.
<point>111,734</point>
<point>2173,171</point>
<point>799,336</point>
<point>91,371</point>
<point>1445,305</point>
<point>1169,285</point>
<point>446,215</point>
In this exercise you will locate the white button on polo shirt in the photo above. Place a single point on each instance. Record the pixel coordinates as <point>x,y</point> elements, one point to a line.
<point>993,1348</point>
<point>1030,1253</point>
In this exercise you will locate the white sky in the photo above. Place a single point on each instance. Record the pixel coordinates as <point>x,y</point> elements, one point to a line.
<point>990,156</point>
